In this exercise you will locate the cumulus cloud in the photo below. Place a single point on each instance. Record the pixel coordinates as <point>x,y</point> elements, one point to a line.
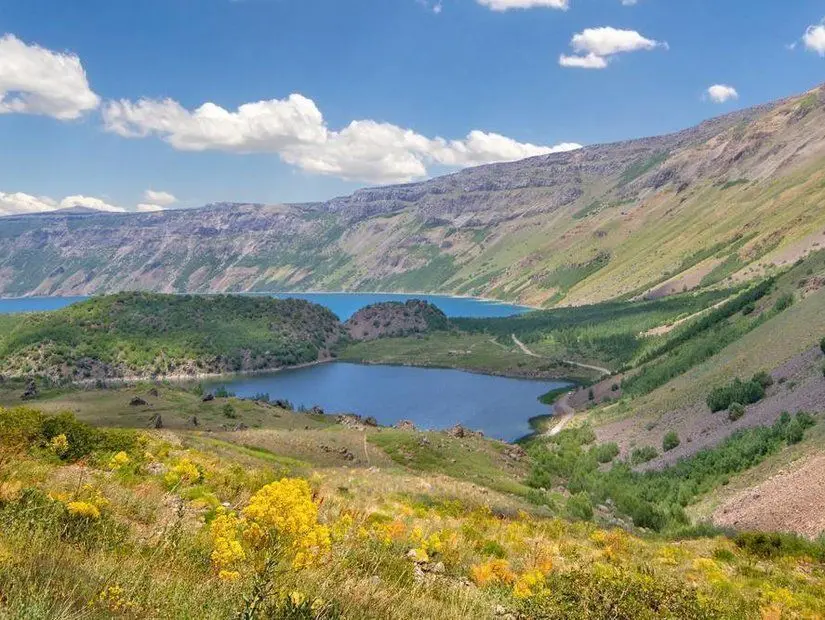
<point>814,39</point>
<point>506,5</point>
<point>89,202</point>
<point>20,203</point>
<point>34,80</point>
<point>722,93</point>
<point>163,199</point>
<point>295,129</point>
<point>595,47</point>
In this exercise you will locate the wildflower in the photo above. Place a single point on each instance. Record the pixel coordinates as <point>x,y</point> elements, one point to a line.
<point>342,527</point>
<point>59,445</point>
<point>229,575</point>
<point>118,460</point>
<point>227,547</point>
<point>529,584</point>
<point>114,600</point>
<point>419,555</point>
<point>185,472</point>
<point>492,572</point>
<point>85,510</point>
<point>297,598</point>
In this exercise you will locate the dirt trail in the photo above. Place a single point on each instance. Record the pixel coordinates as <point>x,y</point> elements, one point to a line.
<point>527,351</point>
<point>564,413</point>
<point>666,329</point>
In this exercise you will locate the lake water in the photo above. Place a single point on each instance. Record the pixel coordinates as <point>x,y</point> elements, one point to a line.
<point>431,398</point>
<point>342,304</point>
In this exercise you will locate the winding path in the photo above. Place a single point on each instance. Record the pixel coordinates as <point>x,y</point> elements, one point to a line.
<point>527,351</point>
<point>564,413</point>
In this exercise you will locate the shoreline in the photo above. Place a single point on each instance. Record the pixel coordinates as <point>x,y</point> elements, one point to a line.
<point>488,300</point>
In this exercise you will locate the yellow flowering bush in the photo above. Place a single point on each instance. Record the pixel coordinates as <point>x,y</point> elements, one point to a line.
<point>85,510</point>
<point>529,584</point>
<point>493,572</point>
<point>279,521</point>
<point>184,472</point>
<point>228,551</point>
<point>119,460</point>
<point>59,445</point>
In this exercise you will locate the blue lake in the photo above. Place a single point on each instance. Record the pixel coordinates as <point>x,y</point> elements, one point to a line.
<point>342,304</point>
<point>431,398</point>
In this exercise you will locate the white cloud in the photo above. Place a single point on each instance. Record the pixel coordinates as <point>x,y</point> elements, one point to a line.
<point>590,61</point>
<point>814,39</point>
<point>295,129</point>
<point>506,5</point>
<point>722,93</point>
<point>34,80</point>
<point>595,47</point>
<point>159,198</point>
<point>148,208</point>
<point>20,203</point>
<point>630,2</point>
<point>89,203</point>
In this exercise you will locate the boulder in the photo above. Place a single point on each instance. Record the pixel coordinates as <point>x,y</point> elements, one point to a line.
<point>405,425</point>
<point>137,401</point>
<point>208,398</point>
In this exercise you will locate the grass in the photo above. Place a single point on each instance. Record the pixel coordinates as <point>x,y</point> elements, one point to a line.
<point>149,551</point>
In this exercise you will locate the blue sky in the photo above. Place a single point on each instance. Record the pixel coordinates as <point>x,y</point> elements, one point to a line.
<point>419,76</point>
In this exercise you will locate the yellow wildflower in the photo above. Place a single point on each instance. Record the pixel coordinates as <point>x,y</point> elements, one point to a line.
<point>185,472</point>
<point>492,572</point>
<point>59,445</point>
<point>297,598</point>
<point>419,555</point>
<point>118,460</point>
<point>114,600</point>
<point>342,527</point>
<point>529,584</point>
<point>227,546</point>
<point>229,575</point>
<point>85,510</point>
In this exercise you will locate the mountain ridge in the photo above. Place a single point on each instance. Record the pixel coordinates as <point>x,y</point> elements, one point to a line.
<point>602,222</point>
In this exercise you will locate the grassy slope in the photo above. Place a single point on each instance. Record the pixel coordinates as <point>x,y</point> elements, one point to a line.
<point>149,554</point>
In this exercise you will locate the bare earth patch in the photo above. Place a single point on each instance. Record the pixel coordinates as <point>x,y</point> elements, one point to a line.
<point>787,502</point>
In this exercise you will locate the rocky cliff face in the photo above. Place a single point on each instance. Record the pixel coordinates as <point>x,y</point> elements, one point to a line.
<point>726,199</point>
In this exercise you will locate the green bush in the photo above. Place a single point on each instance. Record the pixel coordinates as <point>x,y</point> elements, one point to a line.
<point>670,441</point>
<point>784,302</point>
<point>776,545</point>
<point>579,507</point>
<point>822,344</point>
<point>229,411</point>
<point>606,452</point>
<point>84,439</point>
<point>736,411</point>
<point>738,391</point>
<point>643,455</point>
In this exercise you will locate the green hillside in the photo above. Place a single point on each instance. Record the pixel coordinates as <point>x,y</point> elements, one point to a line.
<point>145,334</point>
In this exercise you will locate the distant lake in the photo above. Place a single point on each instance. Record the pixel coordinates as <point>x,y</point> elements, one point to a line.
<point>431,398</point>
<point>342,304</point>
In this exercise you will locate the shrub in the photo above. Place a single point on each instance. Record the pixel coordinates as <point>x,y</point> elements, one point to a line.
<point>605,452</point>
<point>229,411</point>
<point>579,507</point>
<point>777,545</point>
<point>822,344</point>
<point>670,441</point>
<point>643,455</point>
<point>763,378</point>
<point>222,392</point>
<point>784,302</point>
<point>591,395</point>
<point>738,391</point>
<point>749,309</point>
<point>736,411</point>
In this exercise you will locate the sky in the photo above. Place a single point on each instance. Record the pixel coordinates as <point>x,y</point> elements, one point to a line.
<point>158,104</point>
